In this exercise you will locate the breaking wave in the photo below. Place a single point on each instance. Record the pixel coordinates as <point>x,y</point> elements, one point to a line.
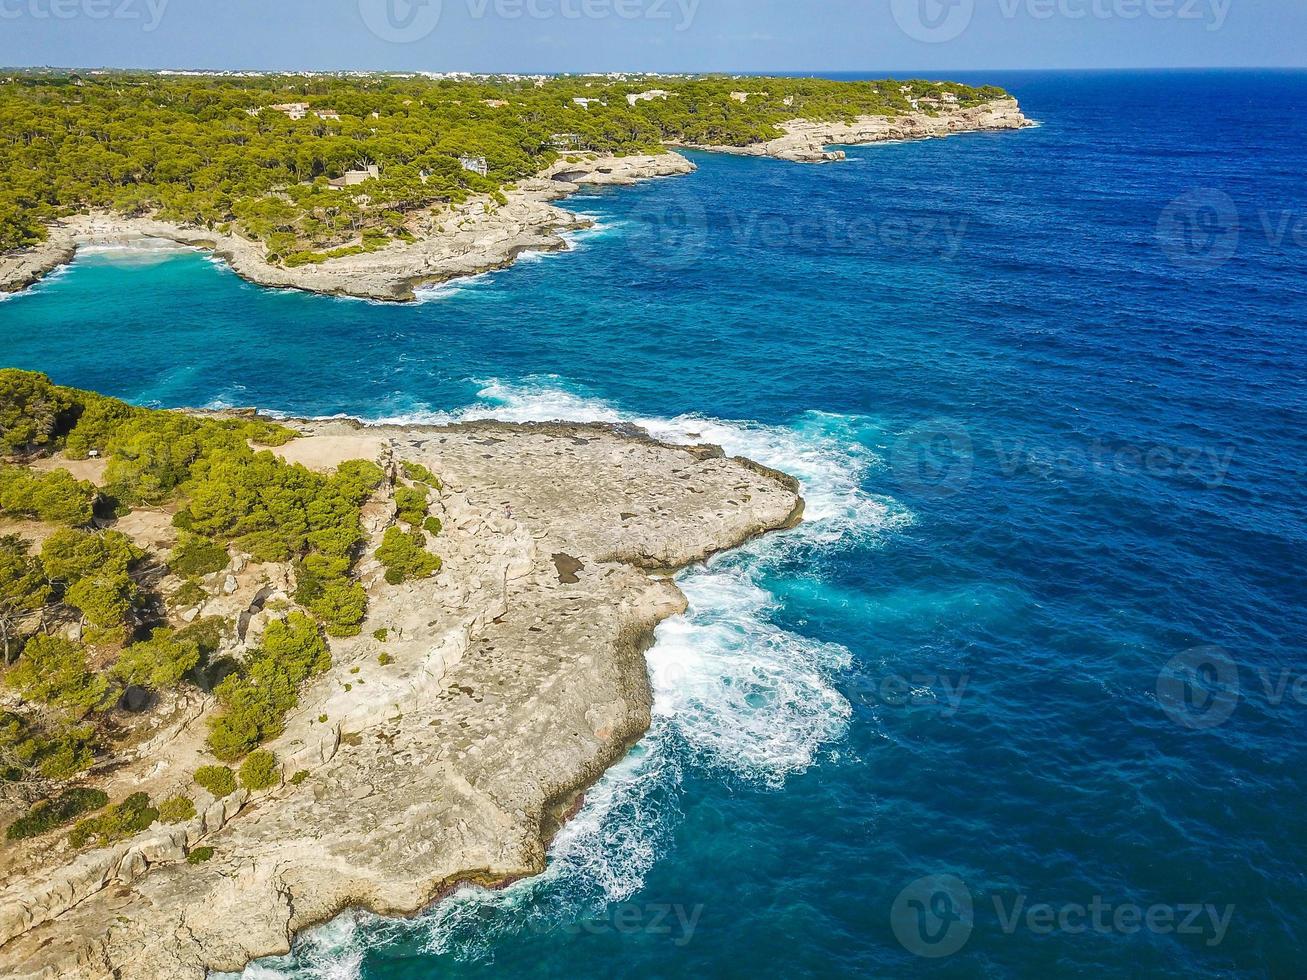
<point>736,695</point>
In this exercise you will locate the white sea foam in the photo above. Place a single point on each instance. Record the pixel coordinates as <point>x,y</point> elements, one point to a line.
<point>745,695</point>
<point>599,227</point>
<point>822,449</point>
<point>53,275</point>
<point>132,252</point>
<point>233,396</point>
<point>576,240</point>
<point>735,693</point>
<point>333,951</point>
<point>451,287</point>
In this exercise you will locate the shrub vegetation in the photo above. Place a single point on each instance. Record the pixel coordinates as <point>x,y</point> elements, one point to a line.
<point>411,504</point>
<point>176,809</point>
<point>158,663</point>
<point>404,556</point>
<point>55,496</point>
<point>260,770</point>
<point>197,556</point>
<point>54,671</point>
<point>79,621</point>
<point>62,809</point>
<point>256,698</point>
<point>119,821</point>
<point>23,592</point>
<point>218,780</point>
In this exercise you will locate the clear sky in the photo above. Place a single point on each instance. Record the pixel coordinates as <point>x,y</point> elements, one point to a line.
<point>666,35</point>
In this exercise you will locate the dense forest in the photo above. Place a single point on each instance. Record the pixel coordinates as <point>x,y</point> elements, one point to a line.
<point>87,614</point>
<point>255,154</point>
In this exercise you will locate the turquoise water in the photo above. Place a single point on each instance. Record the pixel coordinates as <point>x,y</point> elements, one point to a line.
<point>1040,640</point>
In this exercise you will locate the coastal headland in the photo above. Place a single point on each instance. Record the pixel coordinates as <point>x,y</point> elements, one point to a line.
<point>459,240</point>
<point>360,236</point>
<point>447,740</point>
<point>450,723</point>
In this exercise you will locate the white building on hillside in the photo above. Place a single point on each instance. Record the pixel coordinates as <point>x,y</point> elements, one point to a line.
<point>295,110</point>
<point>653,93</point>
<point>352,177</point>
<point>476,165</point>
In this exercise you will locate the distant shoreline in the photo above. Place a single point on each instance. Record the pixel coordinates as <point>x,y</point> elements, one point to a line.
<point>480,237</point>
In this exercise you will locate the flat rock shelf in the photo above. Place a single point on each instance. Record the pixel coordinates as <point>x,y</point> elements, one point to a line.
<point>510,682</point>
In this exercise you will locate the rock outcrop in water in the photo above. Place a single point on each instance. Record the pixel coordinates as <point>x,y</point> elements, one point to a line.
<point>510,682</point>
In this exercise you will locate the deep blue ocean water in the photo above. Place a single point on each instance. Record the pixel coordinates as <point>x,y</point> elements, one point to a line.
<point>1041,640</point>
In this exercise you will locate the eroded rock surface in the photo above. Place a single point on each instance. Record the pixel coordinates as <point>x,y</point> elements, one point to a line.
<point>514,678</point>
<point>808,141</point>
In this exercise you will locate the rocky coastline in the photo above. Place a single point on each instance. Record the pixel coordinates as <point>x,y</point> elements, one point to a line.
<point>808,141</point>
<point>509,683</point>
<point>466,240</point>
<point>480,236</point>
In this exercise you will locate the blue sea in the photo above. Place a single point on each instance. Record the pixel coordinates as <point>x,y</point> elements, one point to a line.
<point>1025,695</point>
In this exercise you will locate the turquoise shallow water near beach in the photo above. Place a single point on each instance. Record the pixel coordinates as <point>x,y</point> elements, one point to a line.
<point>1045,391</point>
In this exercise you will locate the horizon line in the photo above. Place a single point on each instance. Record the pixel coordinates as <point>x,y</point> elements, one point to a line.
<point>640,71</point>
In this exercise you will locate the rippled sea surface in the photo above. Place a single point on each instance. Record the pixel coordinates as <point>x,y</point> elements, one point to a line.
<point>1040,642</point>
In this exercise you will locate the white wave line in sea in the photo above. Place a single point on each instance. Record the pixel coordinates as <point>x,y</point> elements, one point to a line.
<point>54,275</point>
<point>136,247</point>
<point>735,693</point>
<point>450,287</point>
